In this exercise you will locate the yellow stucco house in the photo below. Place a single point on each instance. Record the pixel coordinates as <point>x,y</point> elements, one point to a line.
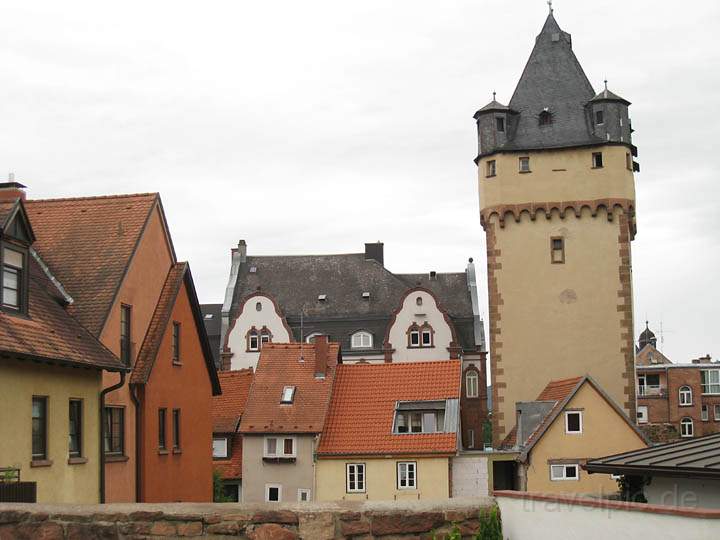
<point>50,374</point>
<point>390,433</point>
<point>571,422</point>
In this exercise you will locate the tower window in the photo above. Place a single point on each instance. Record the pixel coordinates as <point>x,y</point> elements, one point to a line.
<point>557,250</point>
<point>524,164</point>
<point>500,124</point>
<point>490,168</point>
<point>597,160</point>
<point>628,161</point>
<point>599,117</point>
<point>545,118</point>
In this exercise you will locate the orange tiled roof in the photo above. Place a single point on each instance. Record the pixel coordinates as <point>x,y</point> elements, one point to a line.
<point>231,469</point>
<point>49,332</point>
<point>558,390</point>
<point>87,243</point>
<point>228,408</point>
<point>362,410</point>
<point>280,365</point>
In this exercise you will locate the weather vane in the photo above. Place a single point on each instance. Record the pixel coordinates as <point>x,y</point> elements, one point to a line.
<point>550,5</point>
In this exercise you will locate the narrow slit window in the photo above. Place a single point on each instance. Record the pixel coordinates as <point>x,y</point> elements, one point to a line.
<point>75,428</point>
<point>176,429</point>
<point>176,343</point>
<point>500,124</point>
<point>524,164</point>
<point>597,160</point>
<point>557,250</point>
<point>599,117</point>
<point>39,428</point>
<point>491,168</point>
<point>161,429</point>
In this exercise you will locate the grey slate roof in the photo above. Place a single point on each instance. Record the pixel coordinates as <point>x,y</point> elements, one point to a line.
<point>698,458</point>
<point>494,105</point>
<point>211,320</point>
<point>607,95</point>
<point>554,80</point>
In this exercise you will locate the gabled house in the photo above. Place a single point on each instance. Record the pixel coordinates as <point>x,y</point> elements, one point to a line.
<point>284,415</point>
<point>51,371</point>
<point>114,257</point>
<point>227,410</point>
<point>571,421</point>
<point>391,432</point>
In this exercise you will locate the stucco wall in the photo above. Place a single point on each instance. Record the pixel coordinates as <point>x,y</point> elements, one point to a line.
<point>603,433</point>
<point>470,476</point>
<point>410,313</point>
<point>683,492</point>
<point>248,317</point>
<point>381,480</point>
<point>291,476</point>
<point>60,482</point>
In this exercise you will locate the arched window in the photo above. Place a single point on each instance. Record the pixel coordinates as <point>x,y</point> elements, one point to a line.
<point>311,337</point>
<point>418,301</point>
<point>685,395</point>
<point>545,118</point>
<point>253,340</point>
<point>686,427</point>
<point>471,384</point>
<point>420,336</point>
<point>361,340</point>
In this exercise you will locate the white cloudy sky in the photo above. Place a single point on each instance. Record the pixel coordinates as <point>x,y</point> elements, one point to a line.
<point>312,127</point>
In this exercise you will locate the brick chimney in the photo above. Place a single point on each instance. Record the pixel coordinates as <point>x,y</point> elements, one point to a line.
<point>375,252</point>
<point>321,356</point>
<point>11,190</point>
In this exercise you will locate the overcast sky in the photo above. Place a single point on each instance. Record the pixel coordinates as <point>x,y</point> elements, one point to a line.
<point>316,126</point>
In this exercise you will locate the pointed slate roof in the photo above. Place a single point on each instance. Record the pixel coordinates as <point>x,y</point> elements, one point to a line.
<point>553,80</point>
<point>607,95</point>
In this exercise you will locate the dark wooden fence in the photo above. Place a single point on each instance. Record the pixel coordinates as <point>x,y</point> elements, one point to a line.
<point>13,490</point>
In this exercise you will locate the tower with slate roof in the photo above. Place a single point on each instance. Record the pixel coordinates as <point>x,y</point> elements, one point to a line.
<point>557,197</point>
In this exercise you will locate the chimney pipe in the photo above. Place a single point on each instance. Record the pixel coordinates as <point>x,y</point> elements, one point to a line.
<point>12,190</point>
<point>321,356</point>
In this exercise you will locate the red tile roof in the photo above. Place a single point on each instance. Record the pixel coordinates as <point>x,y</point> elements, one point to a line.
<point>231,469</point>
<point>283,365</point>
<point>559,390</point>
<point>228,408</point>
<point>362,410</point>
<point>49,332</point>
<point>87,243</point>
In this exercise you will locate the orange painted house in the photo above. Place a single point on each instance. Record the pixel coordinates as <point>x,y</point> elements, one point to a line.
<point>115,257</point>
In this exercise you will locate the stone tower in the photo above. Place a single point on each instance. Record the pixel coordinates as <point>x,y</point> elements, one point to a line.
<point>557,199</point>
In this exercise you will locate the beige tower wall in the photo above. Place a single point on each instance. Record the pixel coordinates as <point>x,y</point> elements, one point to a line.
<point>552,321</point>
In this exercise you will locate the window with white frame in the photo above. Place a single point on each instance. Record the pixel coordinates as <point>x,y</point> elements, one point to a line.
<point>220,447</point>
<point>414,340</point>
<point>704,413</point>
<point>253,341</point>
<point>303,495</point>
<point>419,421</point>
<point>279,447</point>
<point>685,395</point>
<point>710,381</point>
<point>273,492</point>
<point>311,337</point>
<point>573,422</point>
<point>471,384</point>
<point>565,472</point>
<point>355,477</point>
<point>426,338</point>
<point>524,164</point>
<point>288,394</point>
<point>717,413</point>
<point>686,427</point>
<point>407,475</point>
<point>362,340</point>
<point>642,414</point>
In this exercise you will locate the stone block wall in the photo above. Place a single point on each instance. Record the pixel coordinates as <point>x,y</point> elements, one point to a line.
<point>351,520</point>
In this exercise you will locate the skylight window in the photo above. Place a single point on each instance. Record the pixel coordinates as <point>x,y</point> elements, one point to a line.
<point>366,295</point>
<point>322,297</point>
<point>288,394</point>
<point>208,316</point>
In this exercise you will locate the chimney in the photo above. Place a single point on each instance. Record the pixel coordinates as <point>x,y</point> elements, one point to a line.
<point>321,356</point>
<point>11,190</point>
<point>433,275</point>
<point>242,251</point>
<point>374,252</point>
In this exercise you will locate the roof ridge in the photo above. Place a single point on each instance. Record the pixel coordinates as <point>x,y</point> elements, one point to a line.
<point>405,364</point>
<point>96,197</point>
<point>306,255</point>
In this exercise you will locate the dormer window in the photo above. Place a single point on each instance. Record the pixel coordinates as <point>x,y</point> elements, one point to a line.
<point>13,290</point>
<point>420,417</point>
<point>362,340</point>
<point>545,118</point>
<point>500,124</point>
<point>288,394</point>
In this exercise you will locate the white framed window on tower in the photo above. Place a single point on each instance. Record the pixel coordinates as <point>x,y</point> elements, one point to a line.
<point>471,384</point>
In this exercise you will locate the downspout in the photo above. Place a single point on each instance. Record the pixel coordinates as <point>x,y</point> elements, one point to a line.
<point>138,435</point>
<point>102,433</point>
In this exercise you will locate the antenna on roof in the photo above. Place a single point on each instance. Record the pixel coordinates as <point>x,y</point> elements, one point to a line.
<point>549,3</point>
<point>11,177</point>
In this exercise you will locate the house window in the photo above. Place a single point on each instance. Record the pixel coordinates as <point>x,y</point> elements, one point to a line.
<point>564,472</point>
<point>686,427</point>
<point>649,384</point>
<point>253,341</point>
<point>471,384</point>
<point>176,343</point>
<point>75,428</point>
<point>39,427</point>
<point>13,279</point>
<point>414,338</point>
<point>557,250</point>
<point>597,160</point>
<point>220,448</point>
<point>125,333</point>
<point>642,415</point>
<point>420,336</point>
<point>258,306</point>
<point>471,438</point>
<point>303,495</point>
<point>717,413</point>
<point>705,413</point>
<point>176,429</point>
<point>273,492</point>
<point>288,394</point>
<point>362,340</point>
<point>407,475</point>
<point>628,161</point>
<point>710,381</point>
<point>545,118</point>
<point>685,396</point>
<point>114,436</point>
<point>524,164</point>
<point>162,443</point>
<point>311,337</point>
<point>355,477</point>
<point>418,301</point>
<point>573,422</point>
<point>418,421</point>
<point>426,340</point>
<point>279,447</point>
<point>490,168</point>
<point>599,117</point>
<point>500,123</point>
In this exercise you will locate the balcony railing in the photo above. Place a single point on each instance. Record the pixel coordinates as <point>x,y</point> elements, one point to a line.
<point>651,391</point>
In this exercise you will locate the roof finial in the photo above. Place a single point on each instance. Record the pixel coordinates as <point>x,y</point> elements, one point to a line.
<point>549,3</point>
<point>11,177</point>
<point>606,85</point>
<point>493,95</point>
